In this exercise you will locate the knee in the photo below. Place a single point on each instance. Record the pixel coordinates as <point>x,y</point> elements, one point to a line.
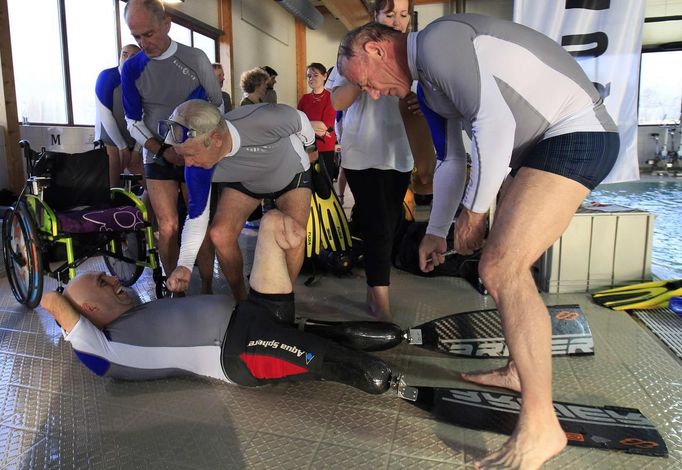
<point>491,270</point>
<point>502,270</point>
<point>221,236</point>
<point>271,220</point>
<point>168,228</point>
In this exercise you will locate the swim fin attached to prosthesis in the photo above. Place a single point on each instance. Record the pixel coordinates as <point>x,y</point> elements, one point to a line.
<point>335,232</point>
<point>639,296</point>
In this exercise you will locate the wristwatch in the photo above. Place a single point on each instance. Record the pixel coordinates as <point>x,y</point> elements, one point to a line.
<point>310,148</point>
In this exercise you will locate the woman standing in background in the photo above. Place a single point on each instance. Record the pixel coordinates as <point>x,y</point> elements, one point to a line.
<point>377,161</point>
<point>317,105</point>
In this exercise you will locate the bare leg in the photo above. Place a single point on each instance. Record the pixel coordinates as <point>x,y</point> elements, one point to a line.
<point>278,234</point>
<point>295,204</point>
<point>536,209</point>
<point>233,210</point>
<point>378,303</point>
<point>205,261</point>
<point>342,184</point>
<point>114,166</point>
<point>163,195</point>
<point>504,377</point>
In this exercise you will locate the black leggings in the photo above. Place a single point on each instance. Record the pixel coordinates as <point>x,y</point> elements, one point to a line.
<point>258,349</point>
<point>379,196</point>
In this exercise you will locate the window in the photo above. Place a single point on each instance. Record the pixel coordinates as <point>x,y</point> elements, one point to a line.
<point>184,34</point>
<point>660,88</point>
<point>92,47</point>
<point>39,83</point>
<point>55,81</point>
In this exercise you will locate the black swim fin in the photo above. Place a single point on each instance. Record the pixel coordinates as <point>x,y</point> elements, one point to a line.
<point>332,218</point>
<point>637,296</point>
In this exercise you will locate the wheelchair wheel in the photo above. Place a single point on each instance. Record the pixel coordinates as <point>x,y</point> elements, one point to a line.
<point>22,256</point>
<point>130,246</point>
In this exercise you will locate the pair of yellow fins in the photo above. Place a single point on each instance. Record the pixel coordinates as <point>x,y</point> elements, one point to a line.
<point>655,294</point>
<point>327,226</point>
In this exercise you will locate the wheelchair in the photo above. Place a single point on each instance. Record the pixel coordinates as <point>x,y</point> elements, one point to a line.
<point>67,213</point>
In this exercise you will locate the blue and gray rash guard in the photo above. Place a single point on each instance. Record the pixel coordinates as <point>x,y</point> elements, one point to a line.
<point>152,88</point>
<point>511,86</point>
<point>110,123</point>
<point>267,153</point>
<point>158,339</point>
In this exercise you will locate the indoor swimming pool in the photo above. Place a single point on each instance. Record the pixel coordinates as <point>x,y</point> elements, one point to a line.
<point>660,196</point>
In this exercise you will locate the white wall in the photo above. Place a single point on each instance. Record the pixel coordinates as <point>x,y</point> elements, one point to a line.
<point>323,43</point>
<point>203,10</point>
<point>264,34</point>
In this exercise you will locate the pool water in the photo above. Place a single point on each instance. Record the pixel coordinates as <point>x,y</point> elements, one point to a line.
<point>661,197</point>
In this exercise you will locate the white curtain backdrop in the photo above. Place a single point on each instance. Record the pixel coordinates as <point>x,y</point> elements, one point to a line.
<point>617,26</point>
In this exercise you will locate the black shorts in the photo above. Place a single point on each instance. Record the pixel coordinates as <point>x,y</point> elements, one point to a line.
<point>585,157</point>
<point>257,349</point>
<point>154,171</point>
<point>301,180</point>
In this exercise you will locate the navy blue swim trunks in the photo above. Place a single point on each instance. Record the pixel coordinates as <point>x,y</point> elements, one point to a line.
<point>585,157</point>
<point>155,171</point>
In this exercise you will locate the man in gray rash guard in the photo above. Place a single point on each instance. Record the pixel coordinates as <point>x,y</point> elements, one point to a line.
<point>254,345</point>
<point>528,106</point>
<point>258,152</point>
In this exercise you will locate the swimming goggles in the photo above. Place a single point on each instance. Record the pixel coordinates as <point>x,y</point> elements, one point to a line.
<point>177,132</point>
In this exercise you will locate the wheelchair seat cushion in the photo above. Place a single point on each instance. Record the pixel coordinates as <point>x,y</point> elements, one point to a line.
<point>114,219</point>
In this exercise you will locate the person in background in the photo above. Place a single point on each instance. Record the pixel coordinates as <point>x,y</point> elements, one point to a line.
<point>270,93</point>
<point>254,84</point>
<point>153,83</point>
<point>110,122</point>
<point>220,75</point>
<point>377,162</point>
<point>317,105</point>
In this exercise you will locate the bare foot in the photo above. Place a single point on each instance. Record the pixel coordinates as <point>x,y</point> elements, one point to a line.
<point>377,302</point>
<point>532,444</point>
<point>504,377</point>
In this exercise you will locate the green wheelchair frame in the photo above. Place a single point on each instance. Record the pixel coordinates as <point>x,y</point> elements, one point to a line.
<point>33,239</point>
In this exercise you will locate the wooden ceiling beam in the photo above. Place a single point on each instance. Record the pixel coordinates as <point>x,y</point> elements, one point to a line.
<point>351,13</point>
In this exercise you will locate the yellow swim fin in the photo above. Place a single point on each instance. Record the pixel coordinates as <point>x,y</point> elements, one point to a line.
<point>314,236</point>
<point>639,296</point>
<point>332,217</point>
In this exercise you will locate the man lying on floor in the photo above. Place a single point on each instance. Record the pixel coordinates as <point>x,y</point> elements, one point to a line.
<point>116,336</point>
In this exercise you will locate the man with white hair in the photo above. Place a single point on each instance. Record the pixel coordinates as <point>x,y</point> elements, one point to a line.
<point>259,151</point>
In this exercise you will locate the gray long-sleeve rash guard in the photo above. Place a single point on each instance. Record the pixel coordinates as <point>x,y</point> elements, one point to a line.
<point>511,86</point>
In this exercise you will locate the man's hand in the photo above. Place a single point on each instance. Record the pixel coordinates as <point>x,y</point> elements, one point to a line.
<point>125,158</point>
<point>320,128</point>
<point>431,251</point>
<point>412,103</point>
<point>171,156</point>
<point>178,281</point>
<point>470,229</point>
<point>61,310</point>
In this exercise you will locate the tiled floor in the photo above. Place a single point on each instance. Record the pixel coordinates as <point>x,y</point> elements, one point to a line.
<point>54,413</point>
